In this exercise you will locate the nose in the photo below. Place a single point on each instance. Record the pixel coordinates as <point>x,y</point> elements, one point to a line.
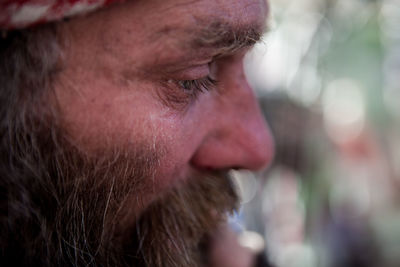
<point>240,137</point>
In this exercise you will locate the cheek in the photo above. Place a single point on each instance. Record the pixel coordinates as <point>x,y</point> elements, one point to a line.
<point>109,119</point>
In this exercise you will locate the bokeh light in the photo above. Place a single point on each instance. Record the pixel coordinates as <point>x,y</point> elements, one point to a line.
<point>328,78</point>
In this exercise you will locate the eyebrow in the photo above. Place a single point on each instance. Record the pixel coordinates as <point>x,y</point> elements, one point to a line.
<point>221,36</point>
<point>225,37</point>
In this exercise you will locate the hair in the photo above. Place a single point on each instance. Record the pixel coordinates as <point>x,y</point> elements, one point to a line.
<point>28,61</point>
<point>53,200</point>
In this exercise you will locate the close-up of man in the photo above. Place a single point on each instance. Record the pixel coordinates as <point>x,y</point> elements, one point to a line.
<point>119,123</point>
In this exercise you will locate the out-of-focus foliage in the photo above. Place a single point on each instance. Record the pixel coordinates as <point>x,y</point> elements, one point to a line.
<point>328,78</point>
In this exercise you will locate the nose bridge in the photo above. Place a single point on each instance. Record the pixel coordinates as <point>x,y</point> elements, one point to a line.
<point>250,134</point>
<point>241,138</point>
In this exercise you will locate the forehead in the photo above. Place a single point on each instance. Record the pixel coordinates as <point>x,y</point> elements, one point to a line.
<point>152,17</point>
<point>136,29</point>
<point>181,12</point>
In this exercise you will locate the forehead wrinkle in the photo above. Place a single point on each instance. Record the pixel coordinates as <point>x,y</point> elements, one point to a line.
<point>197,36</point>
<point>218,34</point>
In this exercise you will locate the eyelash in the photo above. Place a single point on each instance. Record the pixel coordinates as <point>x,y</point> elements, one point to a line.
<point>198,85</point>
<point>182,92</point>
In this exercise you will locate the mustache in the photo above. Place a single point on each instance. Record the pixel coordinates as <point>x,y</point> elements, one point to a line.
<point>173,231</point>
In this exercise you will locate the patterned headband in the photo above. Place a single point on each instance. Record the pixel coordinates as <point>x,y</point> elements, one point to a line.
<point>16,14</point>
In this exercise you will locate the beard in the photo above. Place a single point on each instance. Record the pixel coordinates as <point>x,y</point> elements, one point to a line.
<point>175,230</point>
<point>65,208</point>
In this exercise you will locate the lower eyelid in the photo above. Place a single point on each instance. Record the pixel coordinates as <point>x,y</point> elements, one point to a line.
<point>172,96</point>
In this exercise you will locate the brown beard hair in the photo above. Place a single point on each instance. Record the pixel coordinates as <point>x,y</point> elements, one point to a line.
<point>66,209</point>
<point>174,230</point>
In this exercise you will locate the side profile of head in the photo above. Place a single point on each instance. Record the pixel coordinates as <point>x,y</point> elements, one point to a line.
<point>118,127</point>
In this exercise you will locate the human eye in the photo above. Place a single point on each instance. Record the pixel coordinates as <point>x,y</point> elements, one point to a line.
<point>182,92</point>
<point>197,86</point>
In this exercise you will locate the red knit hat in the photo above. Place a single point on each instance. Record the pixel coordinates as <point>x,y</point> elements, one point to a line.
<point>16,14</point>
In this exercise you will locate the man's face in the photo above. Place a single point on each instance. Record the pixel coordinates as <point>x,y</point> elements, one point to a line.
<point>161,84</point>
<point>142,74</point>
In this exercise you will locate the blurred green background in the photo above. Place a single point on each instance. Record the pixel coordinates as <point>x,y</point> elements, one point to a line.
<point>328,78</point>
